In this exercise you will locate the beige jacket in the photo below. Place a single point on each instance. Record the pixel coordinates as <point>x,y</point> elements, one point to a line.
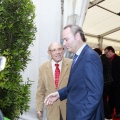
<point>46,86</point>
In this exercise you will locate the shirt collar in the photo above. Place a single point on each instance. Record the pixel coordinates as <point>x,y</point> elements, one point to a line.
<point>53,63</point>
<point>112,57</point>
<point>80,49</point>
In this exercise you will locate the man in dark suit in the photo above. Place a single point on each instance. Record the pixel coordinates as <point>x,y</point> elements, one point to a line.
<point>107,82</point>
<point>85,86</point>
<point>114,98</point>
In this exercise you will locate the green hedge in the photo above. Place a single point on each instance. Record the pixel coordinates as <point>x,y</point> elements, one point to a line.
<point>17,32</point>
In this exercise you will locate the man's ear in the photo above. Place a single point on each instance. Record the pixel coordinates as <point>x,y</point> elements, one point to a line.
<point>48,52</point>
<point>77,36</point>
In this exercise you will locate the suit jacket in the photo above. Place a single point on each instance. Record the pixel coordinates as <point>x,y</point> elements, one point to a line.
<point>85,88</point>
<point>106,69</point>
<point>115,63</point>
<point>46,86</point>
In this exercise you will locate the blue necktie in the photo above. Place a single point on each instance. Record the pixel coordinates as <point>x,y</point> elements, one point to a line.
<point>74,59</point>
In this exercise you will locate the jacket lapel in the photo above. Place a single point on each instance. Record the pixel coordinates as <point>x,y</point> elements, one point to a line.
<point>79,59</point>
<point>64,69</point>
<point>49,72</point>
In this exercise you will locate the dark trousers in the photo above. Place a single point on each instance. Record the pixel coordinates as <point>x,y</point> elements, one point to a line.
<point>114,99</point>
<point>106,92</point>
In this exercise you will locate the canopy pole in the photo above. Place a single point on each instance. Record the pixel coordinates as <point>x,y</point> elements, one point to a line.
<point>100,42</point>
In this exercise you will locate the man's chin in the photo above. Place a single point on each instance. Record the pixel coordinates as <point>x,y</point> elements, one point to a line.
<point>58,60</point>
<point>68,50</point>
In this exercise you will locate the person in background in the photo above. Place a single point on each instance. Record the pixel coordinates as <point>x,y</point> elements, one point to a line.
<point>51,79</point>
<point>1,116</point>
<point>85,85</point>
<point>107,82</point>
<point>2,66</point>
<point>114,99</point>
<point>2,62</point>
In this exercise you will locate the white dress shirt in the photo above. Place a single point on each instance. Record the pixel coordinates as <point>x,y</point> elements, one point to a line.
<point>53,67</point>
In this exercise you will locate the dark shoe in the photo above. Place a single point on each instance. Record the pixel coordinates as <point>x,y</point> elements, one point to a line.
<point>108,116</point>
<point>108,119</point>
<point>117,116</point>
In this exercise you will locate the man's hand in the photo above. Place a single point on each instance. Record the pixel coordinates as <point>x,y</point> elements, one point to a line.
<point>39,113</point>
<point>51,98</point>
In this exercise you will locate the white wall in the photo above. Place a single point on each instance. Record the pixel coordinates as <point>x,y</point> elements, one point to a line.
<point>48,22</point>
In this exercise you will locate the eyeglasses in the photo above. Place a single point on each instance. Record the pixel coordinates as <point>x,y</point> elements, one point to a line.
<point>55,50</point>
<point>106,52</point>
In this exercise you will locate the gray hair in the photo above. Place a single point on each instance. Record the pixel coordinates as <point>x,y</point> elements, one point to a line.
<point>76,29</point>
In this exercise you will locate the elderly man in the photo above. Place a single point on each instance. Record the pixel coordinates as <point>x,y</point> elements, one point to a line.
<point>53,75</point>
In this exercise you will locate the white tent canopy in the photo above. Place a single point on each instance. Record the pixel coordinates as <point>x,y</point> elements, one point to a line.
<point>102,23</point>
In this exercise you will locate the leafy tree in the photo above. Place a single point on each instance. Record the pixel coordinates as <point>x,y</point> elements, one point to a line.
<point>17,32</point>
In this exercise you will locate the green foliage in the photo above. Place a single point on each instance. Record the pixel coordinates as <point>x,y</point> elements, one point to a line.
<point>17,32</point>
